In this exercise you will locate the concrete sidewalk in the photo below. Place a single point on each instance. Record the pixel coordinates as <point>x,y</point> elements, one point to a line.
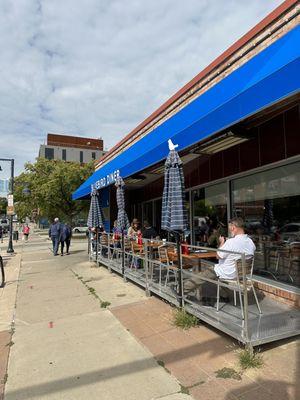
<point>66,346</point>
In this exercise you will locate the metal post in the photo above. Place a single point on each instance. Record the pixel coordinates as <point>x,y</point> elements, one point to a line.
<point>97,246</point>
<point>10,248</point>
<point>123,254</point>
<point>246,325</point>
<point>180,283</point>
<point>147,261</point>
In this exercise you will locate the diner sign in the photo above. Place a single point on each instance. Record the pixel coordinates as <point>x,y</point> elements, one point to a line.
<point>106,180</point>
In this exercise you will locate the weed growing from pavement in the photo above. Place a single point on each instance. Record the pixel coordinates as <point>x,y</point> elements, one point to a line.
<point>162,364</point>
<point>249,359</point>
<point>184,320</point>
<point>184,389</point>
<point>228,373</point>
<point>103,304</point>
<point>4,380</point>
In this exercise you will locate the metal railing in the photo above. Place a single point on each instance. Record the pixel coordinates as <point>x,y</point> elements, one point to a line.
<point>157,266</point>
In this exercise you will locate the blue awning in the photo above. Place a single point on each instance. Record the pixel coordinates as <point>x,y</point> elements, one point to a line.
<point>267,78</point>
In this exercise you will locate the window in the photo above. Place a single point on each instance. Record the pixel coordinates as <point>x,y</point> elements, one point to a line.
<point>93,155</point>
<point>81,156</point>
<point>49,153</point>
<point>148,212</point>
<point>64,154</point>
<point>269,202</point>
<point>209,214</point>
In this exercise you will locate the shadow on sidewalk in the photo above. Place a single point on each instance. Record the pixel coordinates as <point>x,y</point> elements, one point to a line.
<point>104,374</point>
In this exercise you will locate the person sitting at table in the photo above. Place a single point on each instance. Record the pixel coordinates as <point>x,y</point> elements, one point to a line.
<point>117,234</point>
<point>116,231</point>
<point>134,229</point>
<point>225,269</point>
<point>148,232</point>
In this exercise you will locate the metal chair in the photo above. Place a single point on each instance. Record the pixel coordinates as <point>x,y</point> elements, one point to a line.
<point>236,285</point>
<point>137,252</point>
<point>294,258</point>
<point>164,260</point>
<point>104,245</point>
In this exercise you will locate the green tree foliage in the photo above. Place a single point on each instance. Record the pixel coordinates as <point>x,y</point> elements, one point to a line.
<point>51,183</point>
<point>3,205</point>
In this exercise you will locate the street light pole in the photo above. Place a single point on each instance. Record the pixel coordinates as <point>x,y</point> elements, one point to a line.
<point>10,248</point>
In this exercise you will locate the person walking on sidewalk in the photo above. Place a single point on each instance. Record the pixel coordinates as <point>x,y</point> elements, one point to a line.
<point>26,231</point>
<point>55,234</point>
<point>65,238</point>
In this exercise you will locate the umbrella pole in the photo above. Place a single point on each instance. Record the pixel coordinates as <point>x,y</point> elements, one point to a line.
<point>97,242</point>
<point>123,255</point>
<point>180,283</point>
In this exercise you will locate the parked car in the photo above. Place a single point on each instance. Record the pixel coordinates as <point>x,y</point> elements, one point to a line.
<point>5,224</point>
<point>290,232</point>
<point>79,229</point>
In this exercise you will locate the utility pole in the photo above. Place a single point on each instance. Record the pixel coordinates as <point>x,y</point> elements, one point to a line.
<point>10,248</point>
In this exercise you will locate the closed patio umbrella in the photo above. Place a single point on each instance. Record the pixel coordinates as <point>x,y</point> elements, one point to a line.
<point>95,217</point>
<point>268,216</point>
<point>122,219</point>
<point>174,214</point>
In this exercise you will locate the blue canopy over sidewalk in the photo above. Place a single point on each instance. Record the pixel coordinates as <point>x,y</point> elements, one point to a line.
<point>267,78</point>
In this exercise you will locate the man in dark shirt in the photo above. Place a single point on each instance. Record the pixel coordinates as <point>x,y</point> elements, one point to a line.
<point>55,234</point>
<point>148,232</point>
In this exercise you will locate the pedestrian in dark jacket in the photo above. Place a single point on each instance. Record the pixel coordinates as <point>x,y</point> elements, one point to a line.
<point>54,234</point>
<point>66,234</point>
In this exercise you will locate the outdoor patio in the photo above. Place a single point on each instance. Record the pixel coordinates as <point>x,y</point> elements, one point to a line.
<point>147,269</point>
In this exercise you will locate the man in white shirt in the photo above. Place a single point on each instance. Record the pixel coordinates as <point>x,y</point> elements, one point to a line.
<point>225,269</point>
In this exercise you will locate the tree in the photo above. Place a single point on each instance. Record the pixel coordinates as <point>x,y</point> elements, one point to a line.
<point>51,183</point>
<point>3,205</point>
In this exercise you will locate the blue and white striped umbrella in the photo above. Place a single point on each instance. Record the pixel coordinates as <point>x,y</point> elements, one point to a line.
<point>174,213</point>
<point>95,218</point>
<point>122,220</point>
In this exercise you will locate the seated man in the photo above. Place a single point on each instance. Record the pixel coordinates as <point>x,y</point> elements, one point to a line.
<point>225,269</point>
<point>148,232</point>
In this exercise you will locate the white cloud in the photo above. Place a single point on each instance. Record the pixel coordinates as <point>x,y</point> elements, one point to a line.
<point>98,68</point>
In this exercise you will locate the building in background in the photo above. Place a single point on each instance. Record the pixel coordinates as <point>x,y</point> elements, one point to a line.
<point>71,148</point>
<point>4,187</point>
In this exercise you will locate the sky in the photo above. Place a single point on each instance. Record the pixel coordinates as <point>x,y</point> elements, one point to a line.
<point>97,68</point>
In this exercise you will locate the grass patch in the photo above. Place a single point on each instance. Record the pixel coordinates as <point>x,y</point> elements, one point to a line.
<point>162,364</point>
<point>248,359</point>
<point>228,373</point>
<point>184,320</point>
<point>4,380</point>
<point>105,304</point>
<point>184,389</point>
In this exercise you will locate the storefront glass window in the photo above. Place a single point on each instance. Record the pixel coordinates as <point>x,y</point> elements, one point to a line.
<point>157,215</point>
<point>269,202</point>
<point>148,212</point>
<point>209,214</point>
